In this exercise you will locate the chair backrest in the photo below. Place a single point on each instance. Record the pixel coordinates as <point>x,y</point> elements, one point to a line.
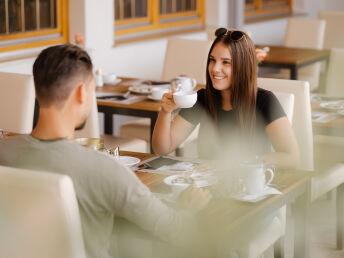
<point>17,102</point>
<point>287,102</point>
<point>91,129</point>
<point>306,33</point>
<point>335,74</point>
<point>334,36</point>
<point>302,122</point>
<point>39,215</point>
<point>188,57</point>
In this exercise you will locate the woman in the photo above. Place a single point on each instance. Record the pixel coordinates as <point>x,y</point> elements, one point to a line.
<point>237,119</point>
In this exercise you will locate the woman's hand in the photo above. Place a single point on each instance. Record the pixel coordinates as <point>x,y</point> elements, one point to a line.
<point>167,103</point>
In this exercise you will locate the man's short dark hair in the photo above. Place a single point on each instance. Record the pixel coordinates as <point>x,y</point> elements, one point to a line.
<point>55,67</point>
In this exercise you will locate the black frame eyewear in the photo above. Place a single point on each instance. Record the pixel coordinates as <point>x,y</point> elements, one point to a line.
<point>234,35</point>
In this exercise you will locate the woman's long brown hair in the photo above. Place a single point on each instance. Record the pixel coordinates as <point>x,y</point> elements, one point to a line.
<point>243,89</point>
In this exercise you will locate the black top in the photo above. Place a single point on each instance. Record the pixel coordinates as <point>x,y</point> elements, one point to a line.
<point>225,136</point>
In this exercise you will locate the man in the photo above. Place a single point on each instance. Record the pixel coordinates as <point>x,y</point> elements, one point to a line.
<point>64,87</point>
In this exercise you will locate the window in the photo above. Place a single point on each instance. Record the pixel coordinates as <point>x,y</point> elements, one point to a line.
<point>32,23</point>
<point>262,9</point>
<point>140,18</point>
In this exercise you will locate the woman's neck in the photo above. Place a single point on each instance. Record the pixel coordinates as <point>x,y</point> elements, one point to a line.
<point>226,100</point>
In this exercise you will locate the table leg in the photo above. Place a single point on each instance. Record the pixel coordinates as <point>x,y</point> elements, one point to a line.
<point>293,73</point>
<point>301,224</point>
<point>279,248</point>
<point>153,119</point>
<point>322,86</point>
<point>108,123</point>
<point>339,216</point>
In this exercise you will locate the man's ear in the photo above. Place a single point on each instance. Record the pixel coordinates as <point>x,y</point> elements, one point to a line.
<point>80,93</point>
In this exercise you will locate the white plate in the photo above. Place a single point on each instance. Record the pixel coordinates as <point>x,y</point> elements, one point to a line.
<point>244,197</point>
<point>197,178</point>
<point>113,82</point>
<point>129,161</point>
<point>152,98</point>
<point>333,105</point>
<point>141,89</point>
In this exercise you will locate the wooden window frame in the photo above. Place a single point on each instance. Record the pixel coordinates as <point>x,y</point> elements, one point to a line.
<point>61,28</point>
<point>260,12</point>
<point>153,19</point>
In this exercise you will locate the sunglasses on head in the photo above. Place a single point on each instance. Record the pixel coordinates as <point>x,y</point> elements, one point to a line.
<point>234,35</point>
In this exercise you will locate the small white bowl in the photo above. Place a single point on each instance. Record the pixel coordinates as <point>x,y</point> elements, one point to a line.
<point>185,99</point>
<point>109,78</point>
<point>157,93</point>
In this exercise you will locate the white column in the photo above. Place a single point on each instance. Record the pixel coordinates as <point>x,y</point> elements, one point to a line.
<point>225,13</point>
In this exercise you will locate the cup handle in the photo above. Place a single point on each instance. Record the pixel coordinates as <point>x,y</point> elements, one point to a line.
<point>271,175</point>
<point>194,83</point>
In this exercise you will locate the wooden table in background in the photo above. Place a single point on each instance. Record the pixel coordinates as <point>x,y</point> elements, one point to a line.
<point>224,216</point>
<point>145,108</point>
<point>293,58</point>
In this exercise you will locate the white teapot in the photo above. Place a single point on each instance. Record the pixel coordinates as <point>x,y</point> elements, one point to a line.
<point>183,83</point>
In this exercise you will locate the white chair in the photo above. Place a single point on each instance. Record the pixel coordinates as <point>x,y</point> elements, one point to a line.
<point>183,56</point>
<point>256,244</point>
<point>304,33</point>
<point>91,130</point>
<point>302,123</point>
<point>335,76</point>
<point>17,102</point>
<point>329,150</point>
<point>334,37</point>
<point>39,215</point>
<point>186,56</point>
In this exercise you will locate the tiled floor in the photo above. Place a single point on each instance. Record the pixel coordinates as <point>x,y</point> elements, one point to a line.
<point>323,232</point>
<point>323,236</point>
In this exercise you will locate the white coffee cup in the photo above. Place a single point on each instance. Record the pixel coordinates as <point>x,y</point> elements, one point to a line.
<point>254,178</point>
<point>109,78</point>
<point>183,83</point>
<point>157,93</point>
<point>185,99</point>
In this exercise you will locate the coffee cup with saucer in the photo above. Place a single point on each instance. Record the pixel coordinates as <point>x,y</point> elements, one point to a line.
<point>157,93</point>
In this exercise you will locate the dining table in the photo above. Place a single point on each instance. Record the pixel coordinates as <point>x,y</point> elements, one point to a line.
<point>223,216</point>
<point>294,59</point>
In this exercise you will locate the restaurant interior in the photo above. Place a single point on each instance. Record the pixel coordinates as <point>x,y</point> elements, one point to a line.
<point>142,50</point>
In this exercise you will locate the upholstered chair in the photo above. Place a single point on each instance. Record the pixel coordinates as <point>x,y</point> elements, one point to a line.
<point>334,37</point>
<point>17,102</point>
<point>183,56</point>
<point>39,215</point>
<point>297,36</point>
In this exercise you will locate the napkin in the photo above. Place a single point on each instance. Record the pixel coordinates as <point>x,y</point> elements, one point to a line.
<point>130,100</point>
<point>180,166</point>
<point>268,190</point>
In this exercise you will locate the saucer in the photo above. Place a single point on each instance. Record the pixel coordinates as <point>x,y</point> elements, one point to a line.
<point>244,197</point>
<point>196,179</point>
<point>152,98</point>
<point>129,161</point>
<point>332,105</point>
<point>113,82</point>
<point>141,89</point>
